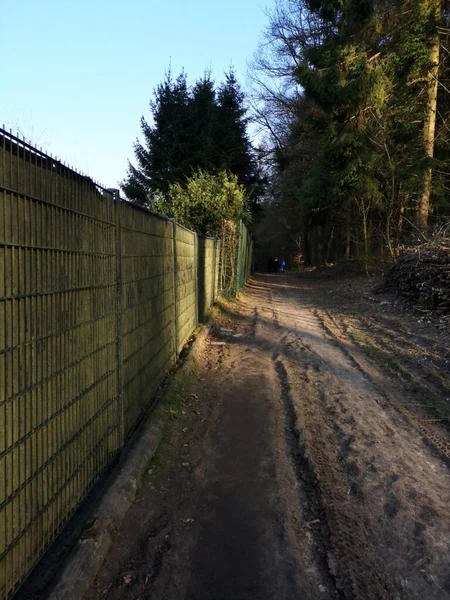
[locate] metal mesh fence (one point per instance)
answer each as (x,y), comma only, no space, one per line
(186,283)
(59,400)
(235,257)
(229,238)
(244,257)
(147,307)
(97,297)
(207,270)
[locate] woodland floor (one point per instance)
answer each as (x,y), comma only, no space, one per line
(307,458)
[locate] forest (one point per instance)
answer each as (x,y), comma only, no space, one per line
(350,102)
(355,96)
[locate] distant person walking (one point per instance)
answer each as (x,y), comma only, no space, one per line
(282,265)
(276,265)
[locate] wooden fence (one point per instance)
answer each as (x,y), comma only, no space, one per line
(97,298)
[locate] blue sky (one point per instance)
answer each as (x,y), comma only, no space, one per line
(77,76)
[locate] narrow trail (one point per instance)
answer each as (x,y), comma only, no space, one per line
(297,472)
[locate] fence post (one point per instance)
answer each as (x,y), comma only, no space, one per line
(218,277)
(196,277)
(238,261)
(213,292)
(116,197)
(175,284)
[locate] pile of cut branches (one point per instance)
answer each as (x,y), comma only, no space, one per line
(422,273)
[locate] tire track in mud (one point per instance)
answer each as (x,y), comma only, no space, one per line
(343,543)
(370,555)
(311,498)
(433,439)
(334,339)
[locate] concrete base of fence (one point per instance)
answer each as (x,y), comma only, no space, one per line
(87,557)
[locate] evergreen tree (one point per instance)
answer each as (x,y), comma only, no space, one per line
(231,144)
(167,154)
(355,151)
(203,116)
(233,149)
(192,129)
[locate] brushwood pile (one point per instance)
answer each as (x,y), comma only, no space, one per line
(422,274)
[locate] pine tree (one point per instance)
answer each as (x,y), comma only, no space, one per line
(167,155)
(358,149)
(192,129)
(233,149)
(203,116)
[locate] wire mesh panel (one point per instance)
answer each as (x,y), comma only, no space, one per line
(244,257)
(186,287)
(229,238)
(234,258)
(249,257)
(59,423)
(97,298)
(206,270)
(216,269)
(148,307)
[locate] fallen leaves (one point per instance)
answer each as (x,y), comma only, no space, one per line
(314,522)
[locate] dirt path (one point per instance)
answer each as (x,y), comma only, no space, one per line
(297,467)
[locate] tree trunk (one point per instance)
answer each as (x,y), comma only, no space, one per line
(306,246)
(391,204)
(365,225)
(430,120)
(329,245)
(348,235)
(319,246)
(401,218)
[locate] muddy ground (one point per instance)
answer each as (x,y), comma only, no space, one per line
(306,456)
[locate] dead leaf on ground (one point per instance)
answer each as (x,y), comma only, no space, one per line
(315,522)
